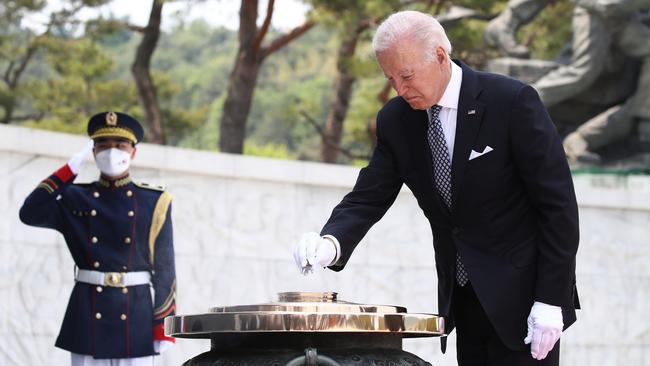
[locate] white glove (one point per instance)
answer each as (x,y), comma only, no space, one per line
(313,250)
(544,329)
(77,160)
(161,346)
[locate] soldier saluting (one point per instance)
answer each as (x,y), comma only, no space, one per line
(120,236)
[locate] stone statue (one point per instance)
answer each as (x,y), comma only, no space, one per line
(601,27)
(500,31)
(605,81)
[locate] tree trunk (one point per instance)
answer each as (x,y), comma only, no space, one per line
(241,84)
(238,103)
(243,78)
(8,105)
(142,75)
(341,95)
(12,77)
(371,128)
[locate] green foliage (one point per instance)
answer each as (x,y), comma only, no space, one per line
(74,75)
(77,87)
(12,10)
(79,58)
(269,150)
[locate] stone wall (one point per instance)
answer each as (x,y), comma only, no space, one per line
(236,219)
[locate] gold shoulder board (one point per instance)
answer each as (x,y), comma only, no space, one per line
(150,186)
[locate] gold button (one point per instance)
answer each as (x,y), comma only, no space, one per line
(96,264)
(94,239)
(129,193)
(98,316)
(99,289)
(125,290)
(123,317)
(127,240)
(93,213)
(96,194)
(131,213)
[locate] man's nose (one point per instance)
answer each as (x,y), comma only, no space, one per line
(400,88)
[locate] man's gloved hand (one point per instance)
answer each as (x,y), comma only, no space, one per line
(544,329)
(313,250)
(77,160)
(161,346)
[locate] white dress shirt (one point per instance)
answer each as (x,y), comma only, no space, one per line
(449,110)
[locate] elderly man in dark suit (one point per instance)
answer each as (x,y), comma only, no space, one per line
(486,165)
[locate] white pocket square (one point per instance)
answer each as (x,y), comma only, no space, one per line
(473,155)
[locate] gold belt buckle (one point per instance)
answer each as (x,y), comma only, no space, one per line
(114,279)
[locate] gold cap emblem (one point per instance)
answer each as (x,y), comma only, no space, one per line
(111,119)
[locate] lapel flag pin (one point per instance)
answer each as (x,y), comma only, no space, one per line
(471,111)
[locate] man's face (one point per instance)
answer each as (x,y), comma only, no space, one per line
(419,82)
(105,143)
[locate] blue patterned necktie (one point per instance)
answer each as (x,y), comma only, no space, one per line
(442,174)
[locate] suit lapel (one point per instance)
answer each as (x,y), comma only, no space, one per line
(468,123)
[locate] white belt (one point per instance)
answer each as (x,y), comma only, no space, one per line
(113,279)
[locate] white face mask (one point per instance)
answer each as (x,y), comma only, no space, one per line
(113,162)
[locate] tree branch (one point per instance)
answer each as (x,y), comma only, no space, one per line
(261,33)
(21,67)
(10,67)
(286,38)
(328,141)
(135,28)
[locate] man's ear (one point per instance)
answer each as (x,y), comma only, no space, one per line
(441,55)
(135,150)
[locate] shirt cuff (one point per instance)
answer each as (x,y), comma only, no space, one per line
(337,247)
(64,173)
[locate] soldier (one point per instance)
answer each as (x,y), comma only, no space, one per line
(120,236)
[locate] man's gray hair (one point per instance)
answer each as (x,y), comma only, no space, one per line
(421,27)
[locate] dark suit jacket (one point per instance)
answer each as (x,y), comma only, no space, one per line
(514,216)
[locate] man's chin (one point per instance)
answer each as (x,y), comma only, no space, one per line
(417,105)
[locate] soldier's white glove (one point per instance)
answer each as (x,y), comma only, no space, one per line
(77,160)
(161,346)
(544,329)
(314,250)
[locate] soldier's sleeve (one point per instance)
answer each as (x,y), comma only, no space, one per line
(161,255)
(41,207)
